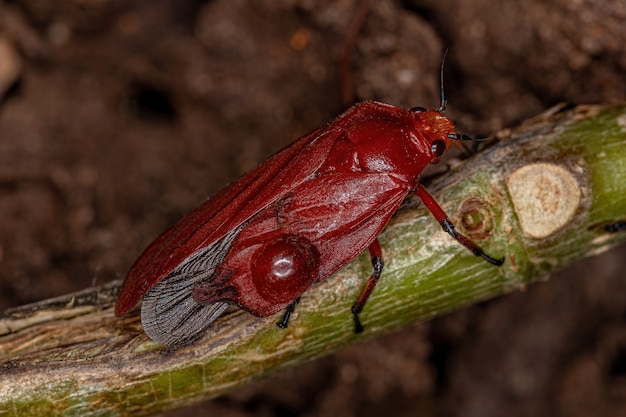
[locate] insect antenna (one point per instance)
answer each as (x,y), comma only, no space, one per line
(442,103)
(459,136)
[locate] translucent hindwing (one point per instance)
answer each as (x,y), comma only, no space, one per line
(169,314)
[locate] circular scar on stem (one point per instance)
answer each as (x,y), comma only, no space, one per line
(545,197)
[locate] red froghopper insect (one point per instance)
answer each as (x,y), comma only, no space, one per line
(302,215)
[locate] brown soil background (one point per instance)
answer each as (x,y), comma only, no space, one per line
(117,117)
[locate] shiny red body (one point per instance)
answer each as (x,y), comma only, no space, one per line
(300,216)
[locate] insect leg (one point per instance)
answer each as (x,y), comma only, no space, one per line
(288,311)
(377,262)
(441,216)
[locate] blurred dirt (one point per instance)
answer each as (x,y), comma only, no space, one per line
(117,117)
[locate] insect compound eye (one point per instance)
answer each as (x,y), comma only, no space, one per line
(418,109)
(438,147)
(284,268)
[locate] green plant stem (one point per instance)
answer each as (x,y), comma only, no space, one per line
(540,197)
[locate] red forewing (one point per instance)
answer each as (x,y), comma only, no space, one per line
(224,212)
(349,212)
(341,213)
